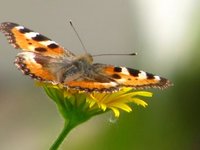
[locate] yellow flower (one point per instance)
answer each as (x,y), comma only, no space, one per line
(101,102)
(77,107)
(117,100)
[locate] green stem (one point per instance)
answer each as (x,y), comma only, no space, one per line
(67,128)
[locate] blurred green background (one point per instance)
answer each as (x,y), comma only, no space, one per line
(166,35)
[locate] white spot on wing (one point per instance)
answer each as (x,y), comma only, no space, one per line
(125,71)
(157,77)
(46,43)
(19,27)
(31,35)
(113,84)
(142,75)
(28,56)
(121,81)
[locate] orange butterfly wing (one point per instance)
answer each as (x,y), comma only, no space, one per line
(109,78)
(35,65)
(35,46)
(138,79)
(28,40)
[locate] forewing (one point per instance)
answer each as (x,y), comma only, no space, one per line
(28,40)
(107,78)
(138,79)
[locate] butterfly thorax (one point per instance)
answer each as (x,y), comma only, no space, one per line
(86,58)
(77,69)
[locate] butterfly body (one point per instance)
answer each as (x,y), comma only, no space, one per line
(45,60)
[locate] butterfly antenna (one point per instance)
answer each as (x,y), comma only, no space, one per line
(78,36)
(128,54)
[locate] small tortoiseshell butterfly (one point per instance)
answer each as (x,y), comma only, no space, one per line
(45,60)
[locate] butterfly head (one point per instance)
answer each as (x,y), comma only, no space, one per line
(86,58)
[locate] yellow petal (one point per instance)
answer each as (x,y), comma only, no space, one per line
(122,106)
(116,112)
(139,102)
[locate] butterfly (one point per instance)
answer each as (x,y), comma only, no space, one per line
(46,61)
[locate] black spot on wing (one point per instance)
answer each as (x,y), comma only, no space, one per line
(116,76)
(40,49)
(117,69)
(150,76)
(52,46)
(40,37)
(133,72)
(25,30)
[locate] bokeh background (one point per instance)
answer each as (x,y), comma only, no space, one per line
(166,35)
